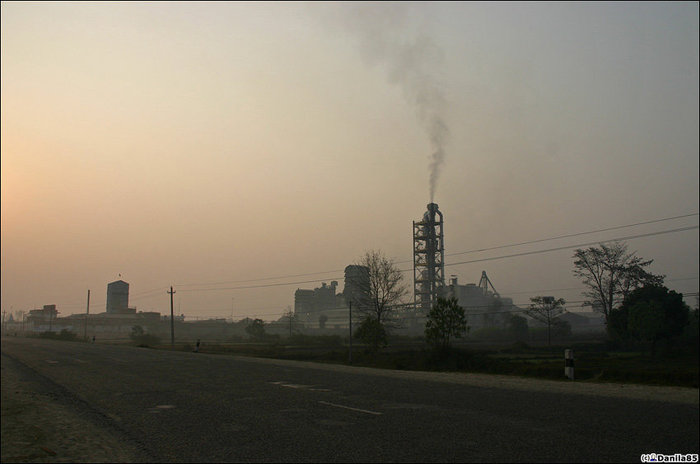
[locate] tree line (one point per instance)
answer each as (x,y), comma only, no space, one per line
(634,303)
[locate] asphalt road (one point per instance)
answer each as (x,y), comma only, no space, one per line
(196,407)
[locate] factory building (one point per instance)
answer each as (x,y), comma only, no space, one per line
(356,290)
(483,306)
(45,315)
(118,298)
(309,303)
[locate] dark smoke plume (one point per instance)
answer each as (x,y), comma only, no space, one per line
(411,60)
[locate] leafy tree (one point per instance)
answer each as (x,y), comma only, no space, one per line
(373,333)
(652,313)
(322,319)
(136,331)
(546,309)
(691,333)
(256,329)
(446,320)
(610,273)
(517,328)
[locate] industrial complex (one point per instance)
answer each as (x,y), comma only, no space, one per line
(482,303)
(323,307)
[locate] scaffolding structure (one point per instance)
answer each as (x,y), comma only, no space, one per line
(428,258)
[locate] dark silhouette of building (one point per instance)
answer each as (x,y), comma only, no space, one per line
(356,288)
(483,305)
(118,298)
(48,313)
(309,302)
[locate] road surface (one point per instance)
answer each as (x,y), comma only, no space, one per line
(148,405)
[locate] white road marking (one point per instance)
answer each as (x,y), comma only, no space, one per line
(352,409)
(50,361)
(291,385)
(158,408)
(79,360)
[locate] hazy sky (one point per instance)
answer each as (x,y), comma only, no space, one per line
(210,146)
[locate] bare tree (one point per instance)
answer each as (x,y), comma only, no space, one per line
(546,309)
(610,273)
(379,289)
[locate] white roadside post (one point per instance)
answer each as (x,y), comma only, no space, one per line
(569,364)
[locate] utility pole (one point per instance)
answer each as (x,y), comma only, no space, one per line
(87,314)
(350,320)
(172,318)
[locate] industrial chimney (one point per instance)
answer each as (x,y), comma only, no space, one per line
(428,258)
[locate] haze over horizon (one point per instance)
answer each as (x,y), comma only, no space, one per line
(239,151)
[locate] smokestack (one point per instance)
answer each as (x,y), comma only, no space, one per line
(428,258)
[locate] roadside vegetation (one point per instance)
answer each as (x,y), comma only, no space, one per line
(651,334)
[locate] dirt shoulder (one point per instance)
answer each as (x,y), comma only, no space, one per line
(41,423)
(682,395)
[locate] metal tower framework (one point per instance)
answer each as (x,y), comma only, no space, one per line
(485,283)
(428,258)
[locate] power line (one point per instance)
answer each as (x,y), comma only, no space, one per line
(572,235)
(280,284)
(568,247)
(450,254)
(261,279)
(152,293)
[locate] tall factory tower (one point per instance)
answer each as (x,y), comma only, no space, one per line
(428,258)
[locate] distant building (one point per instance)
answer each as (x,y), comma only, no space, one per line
(304,301)
(311,302)
(356,288)
(48,313)
(118,298)
(484,307)
(44,319)
(310,305)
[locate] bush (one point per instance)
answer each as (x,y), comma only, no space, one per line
(256,329)
(490,333)
(143,339)
(147,340)
(64,335)
(67,335)
(373,333)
